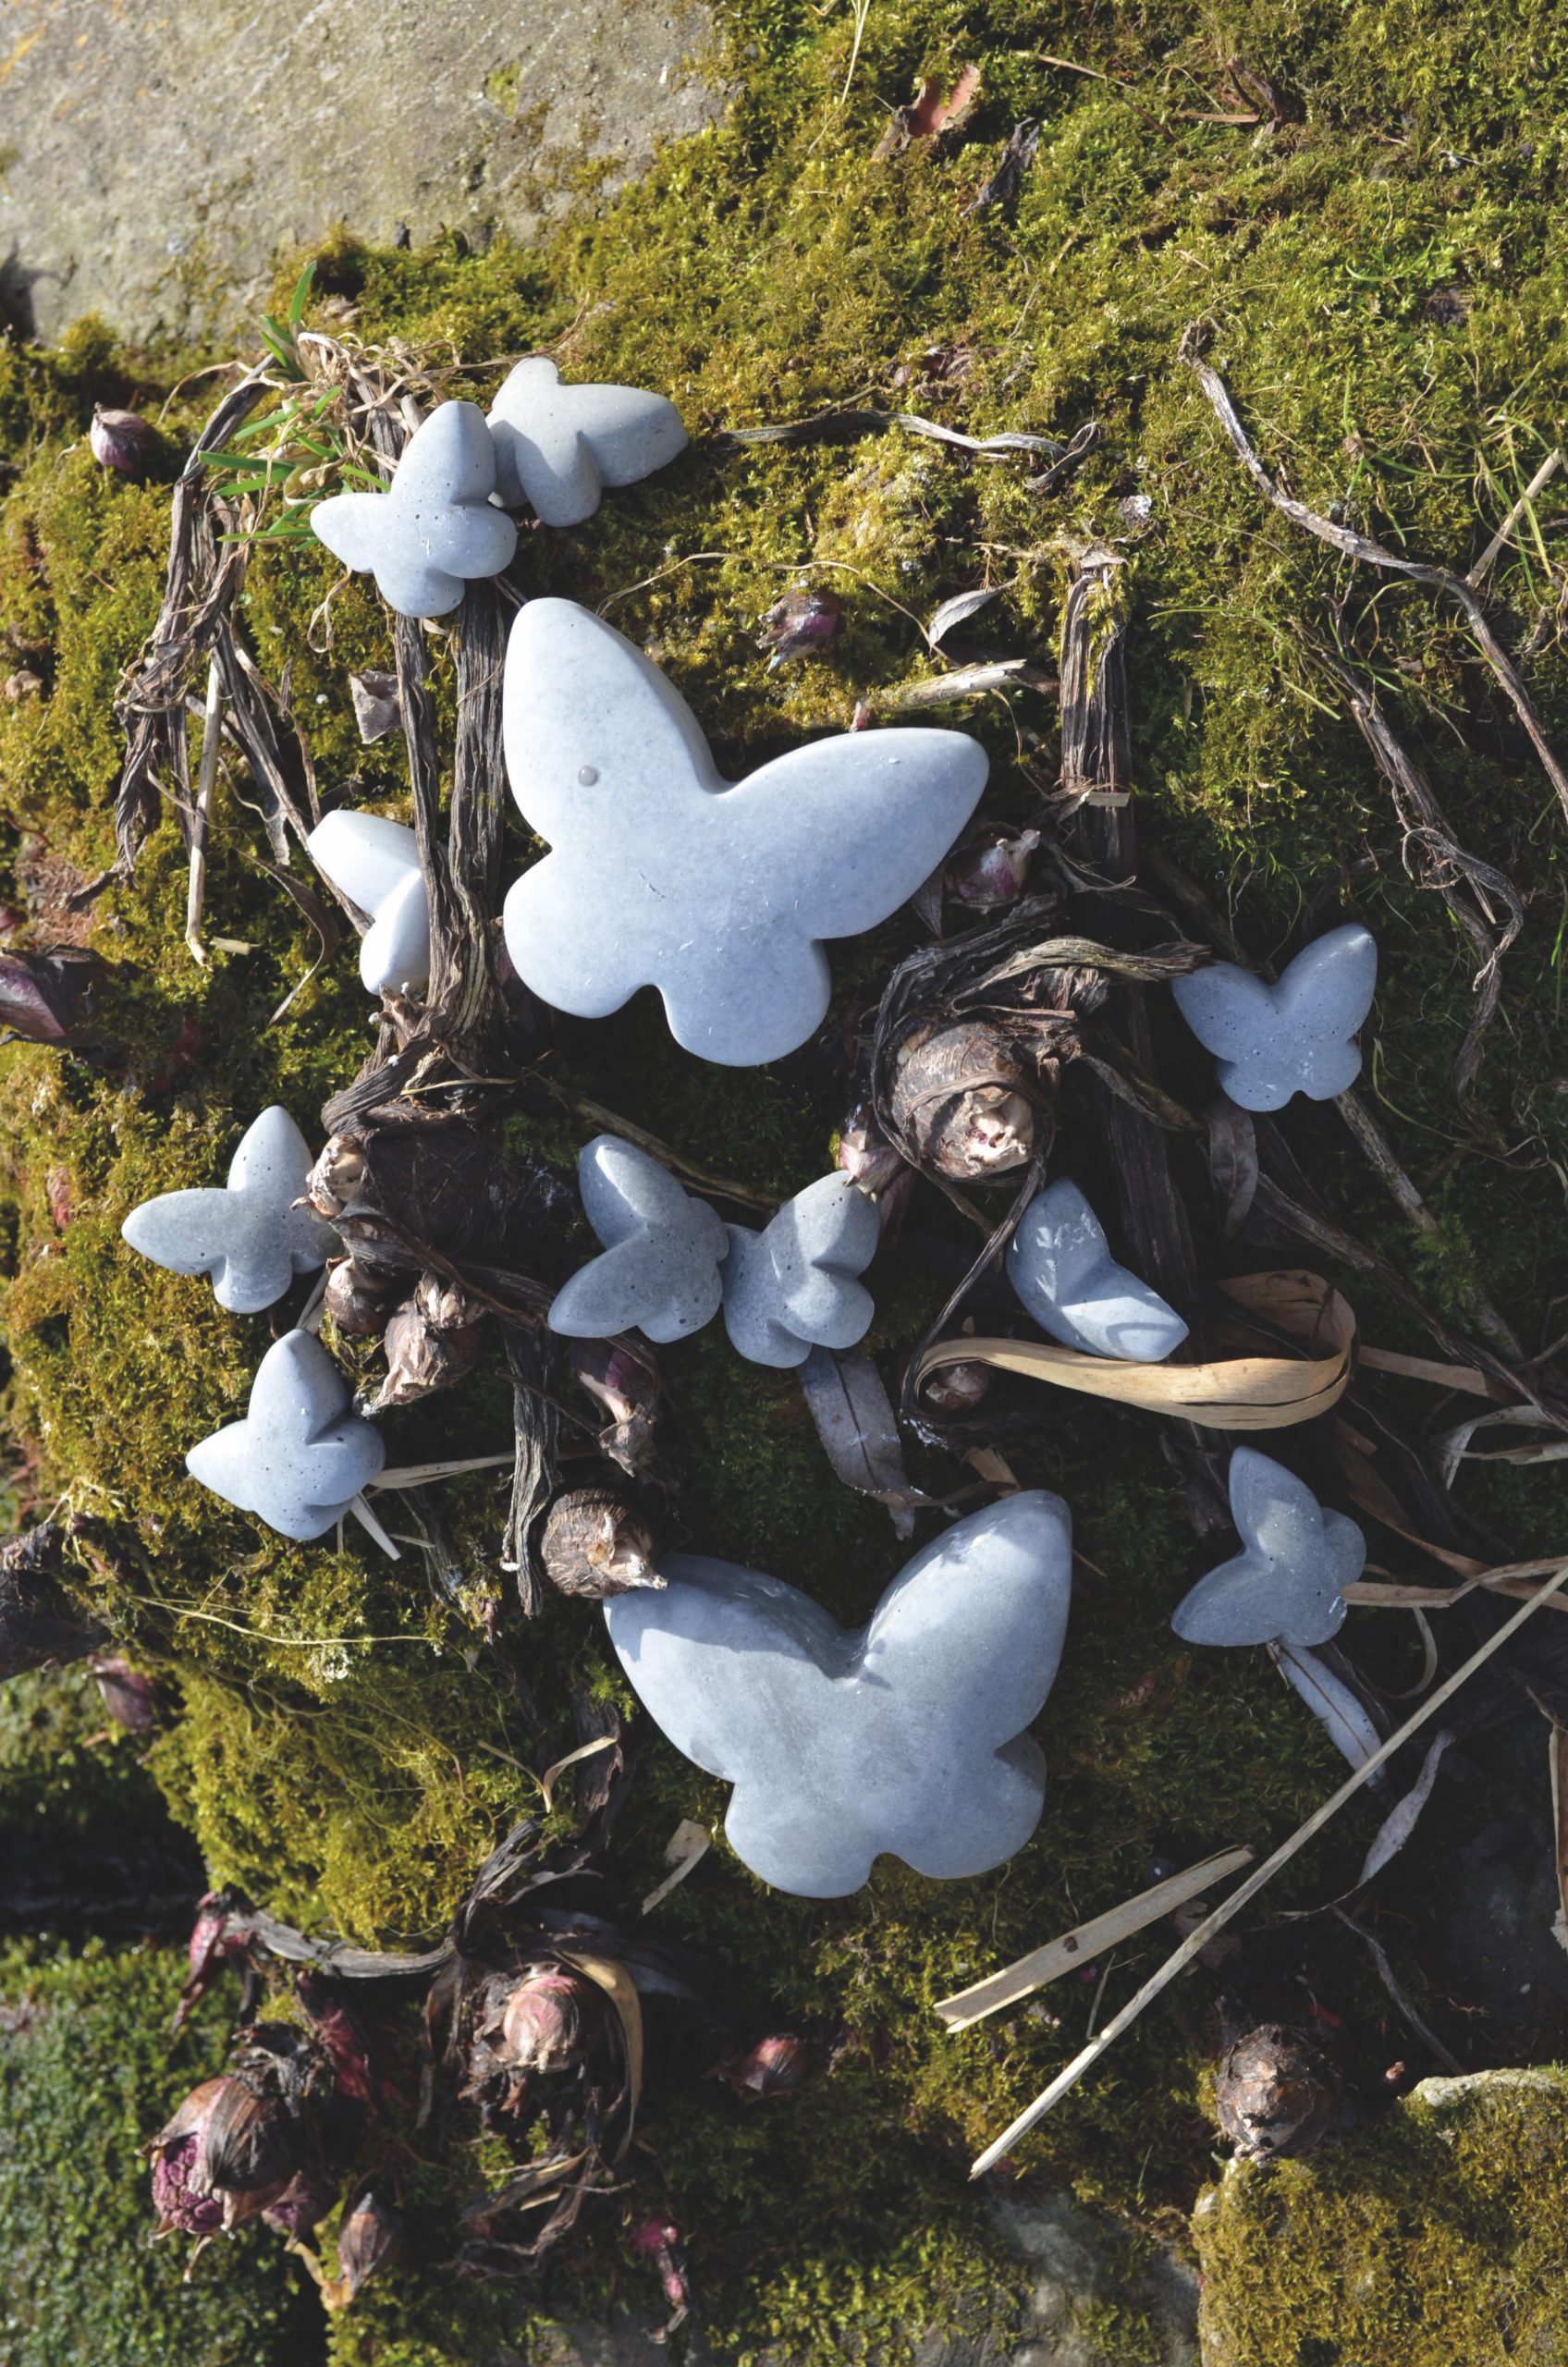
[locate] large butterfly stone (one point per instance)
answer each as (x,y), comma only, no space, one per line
(663,874)
(906,1735)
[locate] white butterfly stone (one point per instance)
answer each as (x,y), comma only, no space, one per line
(1287,1585)
(249,1235)
(558,447)
(1059,1263)
(300,1456)
(905,1735)
(664,875)
(437,529)
(375,862)
(792,1287)
(1297,1036)
(663,1250)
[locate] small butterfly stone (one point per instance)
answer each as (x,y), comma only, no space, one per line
(1287,1584)
(249,1235)
(906,1735)
(1297,1036)
(1062,1267)
(663,1251)
(375,863)
(792,1287)
(300,1456)
(558,447)
(437,529)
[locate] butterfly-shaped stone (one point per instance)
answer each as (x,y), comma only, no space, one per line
(300,1456)
(557,447)
(437,529)
(375,863)
(249,1235)
(663,1250)
(1062,1267)
(1297,1036)
(664,875)
(792,1287)
(1287,1584)
(906,1735)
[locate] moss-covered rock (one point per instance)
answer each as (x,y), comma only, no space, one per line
(1437,2234)
(1386,288)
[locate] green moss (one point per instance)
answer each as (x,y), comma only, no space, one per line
(346,1748)
(87,2073)
(1436,2234)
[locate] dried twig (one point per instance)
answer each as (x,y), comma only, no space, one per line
(212,740)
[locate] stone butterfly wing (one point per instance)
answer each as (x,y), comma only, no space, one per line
(663,875)
(905,1737)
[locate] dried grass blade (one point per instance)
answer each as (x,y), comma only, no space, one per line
(328,935)
(551,1776)
(1403,1818)
(1557,1763)
(618,1987)
(1237,1393)
(1086,1941)
(1441,1376)
(1196,1941)
(686,1847)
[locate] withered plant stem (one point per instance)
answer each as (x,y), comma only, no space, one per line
(1196,1941)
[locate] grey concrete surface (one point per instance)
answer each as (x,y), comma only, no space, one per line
(155,159)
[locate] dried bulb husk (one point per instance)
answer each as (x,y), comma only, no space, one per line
(427,1349)
(992,872)
(182,2208)
(368,2242)
(866,1154)
(362,1299)
(337,1179)
(303,2203)
(658,2239)
(119,440)
(776,2065)
(799,625)
(128,1695)
(544,2022)
(595,1545)
(276,2111)
(627,1386)
(1279,2094)
(965,1100)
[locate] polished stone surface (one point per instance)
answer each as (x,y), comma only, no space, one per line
(437,529)
(300,1456)
(663,1250)
(1059,1263)
(377,863)
(1287,1585)
(558,447)
(1297,1036)
(792,1287)
(905,1735)
(249,1235)
(662,873)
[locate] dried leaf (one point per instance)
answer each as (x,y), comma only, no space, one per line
(551,1776)
(1240,1394)
(954,612)
(378,708)
(1329,1699)
(620,1988)
(1086,1941)
(1232,1161)
(1400,1820)
(686,1847)
(854,1421)
(1022,145)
